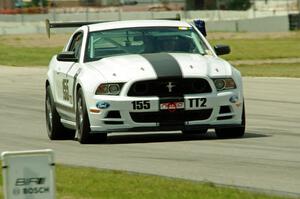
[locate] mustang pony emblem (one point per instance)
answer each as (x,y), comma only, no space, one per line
(170,86)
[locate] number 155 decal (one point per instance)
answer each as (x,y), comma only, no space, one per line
(140,105)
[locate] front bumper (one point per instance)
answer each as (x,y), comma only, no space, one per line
(191,112)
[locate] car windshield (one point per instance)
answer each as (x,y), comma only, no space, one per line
(108,43)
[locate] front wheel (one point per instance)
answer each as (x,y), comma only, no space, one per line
(233,132)
(84,135)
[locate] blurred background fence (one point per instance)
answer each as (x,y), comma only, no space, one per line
(28,16)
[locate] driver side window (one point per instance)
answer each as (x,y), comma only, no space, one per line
(76,44)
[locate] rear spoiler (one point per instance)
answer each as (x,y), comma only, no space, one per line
(50,25)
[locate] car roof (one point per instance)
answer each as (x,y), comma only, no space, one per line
(137,23)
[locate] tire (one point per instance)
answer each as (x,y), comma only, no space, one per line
(55,129)
(191,132)
(237,132)
(84,135)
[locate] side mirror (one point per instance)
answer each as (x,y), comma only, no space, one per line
(222,49)
(67,56)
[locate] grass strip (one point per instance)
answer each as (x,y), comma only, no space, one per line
(12,54)
(89,183)
(242,49)
(270,70)
(26,56)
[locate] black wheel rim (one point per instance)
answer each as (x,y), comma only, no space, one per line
(80,117)
(49,115)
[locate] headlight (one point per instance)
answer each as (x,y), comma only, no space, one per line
(224,84)
(109,89)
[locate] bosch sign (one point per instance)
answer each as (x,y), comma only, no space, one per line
(28,174)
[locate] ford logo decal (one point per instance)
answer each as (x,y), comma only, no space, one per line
(102,105)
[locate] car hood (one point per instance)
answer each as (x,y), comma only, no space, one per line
(130,67)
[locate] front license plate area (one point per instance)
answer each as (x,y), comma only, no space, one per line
(171,112)
(171,106)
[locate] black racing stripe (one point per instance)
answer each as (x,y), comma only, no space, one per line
(167,70)
(164,65)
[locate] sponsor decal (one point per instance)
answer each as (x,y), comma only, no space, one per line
(65,85)
(36,190)
(172,106)
(102,105)
(183,28)
(29,181)
(37,186)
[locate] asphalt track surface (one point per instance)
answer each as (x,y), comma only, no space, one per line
(267,158)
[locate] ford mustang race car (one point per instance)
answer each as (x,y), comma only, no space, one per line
(141,75)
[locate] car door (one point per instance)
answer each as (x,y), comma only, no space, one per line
(64,83)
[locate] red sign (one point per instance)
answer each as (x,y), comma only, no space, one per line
(172,106)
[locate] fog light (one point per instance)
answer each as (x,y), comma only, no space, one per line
(234,99)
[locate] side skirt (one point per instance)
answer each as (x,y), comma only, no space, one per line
(68,124)
(66,113)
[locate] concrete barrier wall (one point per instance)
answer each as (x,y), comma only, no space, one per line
(21,28)
(207,15)
(216,15)
(221,26)
(265,24)
(21,24)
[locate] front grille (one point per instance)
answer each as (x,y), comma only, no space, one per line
(171,117)
(169,87)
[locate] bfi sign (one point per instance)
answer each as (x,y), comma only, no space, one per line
(28,174)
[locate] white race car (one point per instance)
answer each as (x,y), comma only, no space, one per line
(141,75)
